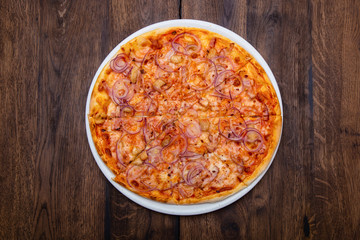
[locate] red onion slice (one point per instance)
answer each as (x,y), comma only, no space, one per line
(190,155)
(256,139)
(119,91)
(127,71)
(177,47)
(149,133)
(132,127)
(219,95)
(126,110)
(146,55)
(213,174)
(237,126)
(189,48)
(199,85)
(229,134)
(224,61)
(134,178)
(228,84)
(190,173)
(221,76)
(119,63)
(185,192)
(152,108)
(174,149)
(163,67)
(118,154)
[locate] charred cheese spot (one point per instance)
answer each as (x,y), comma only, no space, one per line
(108,152)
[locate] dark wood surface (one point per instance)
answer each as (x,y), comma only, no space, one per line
(50,185)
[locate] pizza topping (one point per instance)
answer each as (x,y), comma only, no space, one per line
(156,44)
(190,155)
(192,129)
(204,124)
(134,76)
(237,125)
(186,43)
(118,154)
(177,146)
(132,127)
(154,154)
(213,143)
(121,91)
(198,82)
(228,84)
(253,140)
(127,111)
(204,74)
(185,190)
(212,43)
(224,62)
(176,59)
(139,178)
(149,133)
(204,102)
(194,173)
(163,67)
(226,131)
(119,63)
(160,85)
(213,174)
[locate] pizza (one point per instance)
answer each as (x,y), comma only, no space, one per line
(184,115)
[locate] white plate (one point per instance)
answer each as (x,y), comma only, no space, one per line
(193,209)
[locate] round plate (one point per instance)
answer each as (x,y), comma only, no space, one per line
(173,209)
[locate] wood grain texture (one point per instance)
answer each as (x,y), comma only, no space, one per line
(50,186)
(336,64)
(48,180)
(18,125)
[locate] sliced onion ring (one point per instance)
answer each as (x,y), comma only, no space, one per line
(165,68)
(246,139)
(222,59)
(118,154)
(190,171)
(119,63)
(213,175)
(125,109)
(139,126)
(134,176)
(119,91)
(176,46)
(233,136)
(191,155)
(178,151)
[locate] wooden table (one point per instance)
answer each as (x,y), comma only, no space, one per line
(50,185)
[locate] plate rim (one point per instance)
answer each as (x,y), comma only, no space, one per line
(189,209)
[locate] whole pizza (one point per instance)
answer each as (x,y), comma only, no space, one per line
(184,115)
